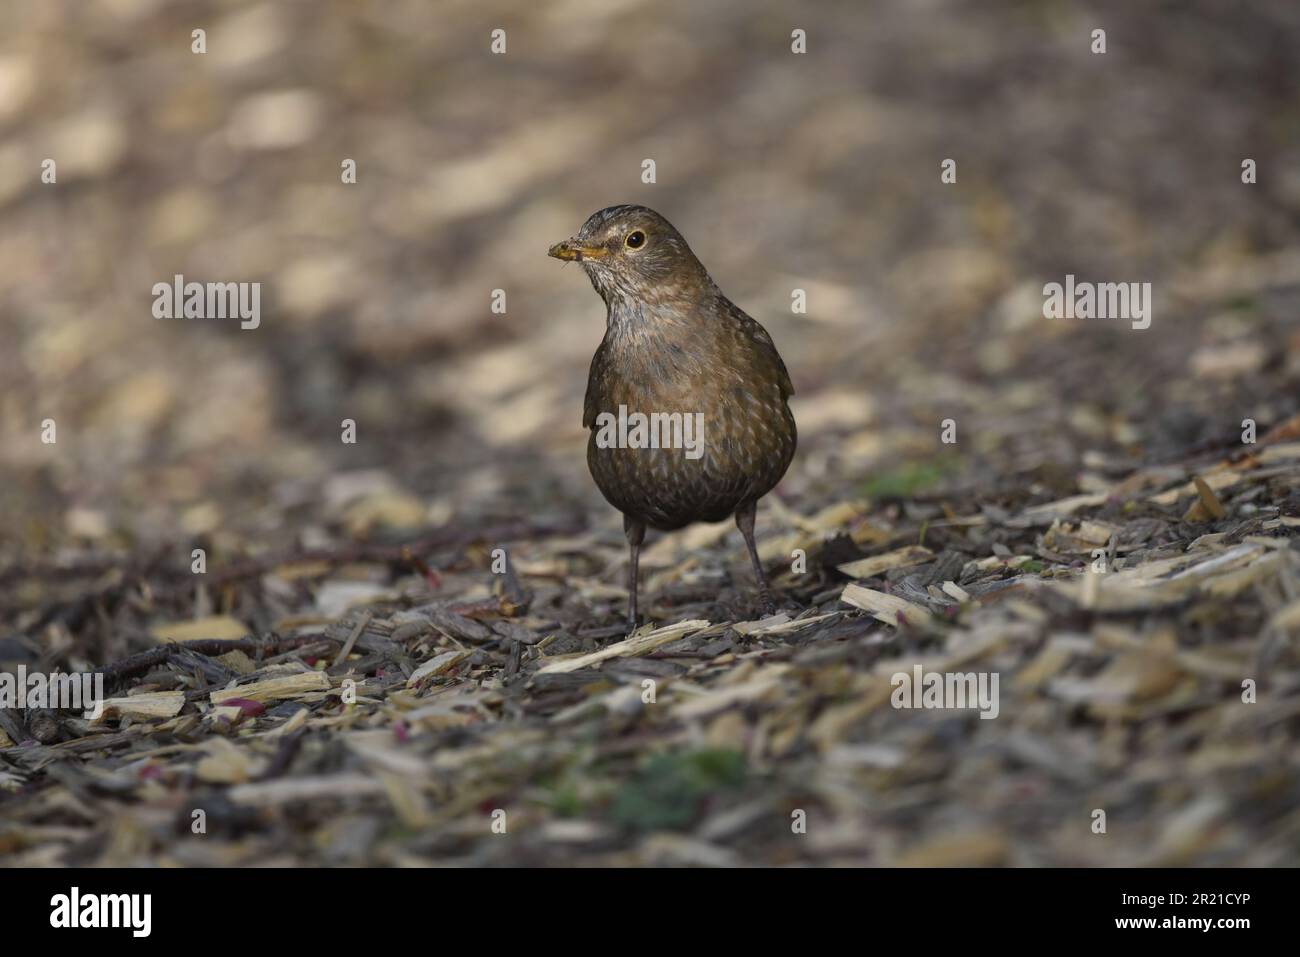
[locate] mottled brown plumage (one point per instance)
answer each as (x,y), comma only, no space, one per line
(675,344)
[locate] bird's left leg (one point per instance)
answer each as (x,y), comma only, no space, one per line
(745,522)
(635,532)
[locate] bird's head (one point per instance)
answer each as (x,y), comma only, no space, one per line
(633,253)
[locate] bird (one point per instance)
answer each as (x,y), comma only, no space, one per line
(687,398)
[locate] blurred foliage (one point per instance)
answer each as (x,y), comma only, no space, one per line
(910,478)
(669,792)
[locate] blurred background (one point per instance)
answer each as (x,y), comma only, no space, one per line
(818,171)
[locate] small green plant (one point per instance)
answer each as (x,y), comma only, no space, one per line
(669,792)
(908,478)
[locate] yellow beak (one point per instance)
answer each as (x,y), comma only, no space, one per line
(573,251)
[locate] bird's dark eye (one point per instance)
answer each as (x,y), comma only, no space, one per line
(635,239)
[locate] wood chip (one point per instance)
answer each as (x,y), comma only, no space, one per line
(218,626)
(886,608)
(332,787)
(275,689)
(437,666)
(953,590)
(151,705)
(878,564)
(1207,506)
(628,647)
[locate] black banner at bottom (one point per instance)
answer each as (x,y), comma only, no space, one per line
(271,907)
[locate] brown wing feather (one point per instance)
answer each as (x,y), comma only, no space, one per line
(766,347)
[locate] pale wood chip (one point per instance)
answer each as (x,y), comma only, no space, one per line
(877,564)
(1207,506)
(217,626)
(1067,506)
(275,689)
(786,627)
(628,647)
(953,590)
(330,787)
(153,704)
(760,626)
(224,763)
(767,680)
(436,666)
(1286,618)
(1238,580)
(1215,480)
(886,608)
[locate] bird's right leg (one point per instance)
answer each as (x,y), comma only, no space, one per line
(745,522)
(635,532)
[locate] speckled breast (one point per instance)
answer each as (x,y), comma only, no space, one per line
(716,458)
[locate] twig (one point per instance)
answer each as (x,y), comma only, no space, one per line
(139,663)
(346,650)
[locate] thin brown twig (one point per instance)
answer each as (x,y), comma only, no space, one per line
(139,663)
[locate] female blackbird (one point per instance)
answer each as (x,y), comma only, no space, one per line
(686,398)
